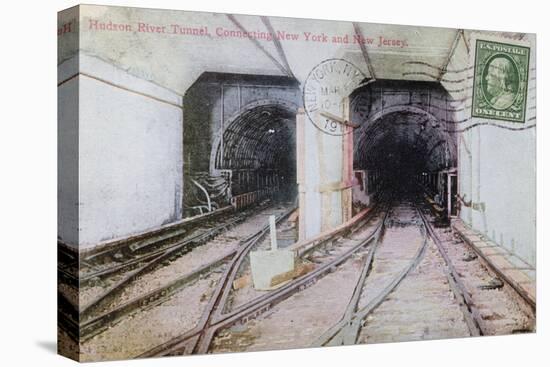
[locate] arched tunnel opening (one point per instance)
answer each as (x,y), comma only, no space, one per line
(406,139)
(239,141)
(257,153)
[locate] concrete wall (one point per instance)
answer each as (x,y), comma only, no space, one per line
(67,127)
(67,163)
(496,173)
(499,178)
(130,154)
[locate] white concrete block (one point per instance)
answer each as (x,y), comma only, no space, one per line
(266,264)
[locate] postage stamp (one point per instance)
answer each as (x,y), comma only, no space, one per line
(501,73)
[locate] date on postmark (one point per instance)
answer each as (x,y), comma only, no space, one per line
(501,73)
(325,88)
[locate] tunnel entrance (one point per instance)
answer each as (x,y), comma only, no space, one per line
(257,154)
(405,134)
(238,140)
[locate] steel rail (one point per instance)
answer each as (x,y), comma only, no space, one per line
(85,326)
(108,249)
(96,324)
(199,338)
(346,331)
(220,291)
(166,253)
(467,306)
(179,237)
(354,301)
(218,301)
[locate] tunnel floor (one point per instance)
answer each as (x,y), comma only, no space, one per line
(395,276)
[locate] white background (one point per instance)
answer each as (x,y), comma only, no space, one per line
(28,182)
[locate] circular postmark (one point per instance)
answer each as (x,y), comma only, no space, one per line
(325,88)
(500,81)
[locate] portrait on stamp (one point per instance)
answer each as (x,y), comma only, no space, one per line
(501,73)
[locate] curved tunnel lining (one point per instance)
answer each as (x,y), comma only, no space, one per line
(258,149)
(405,137)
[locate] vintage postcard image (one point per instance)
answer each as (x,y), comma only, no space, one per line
(234,183)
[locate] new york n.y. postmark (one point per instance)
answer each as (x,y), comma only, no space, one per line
(325,89)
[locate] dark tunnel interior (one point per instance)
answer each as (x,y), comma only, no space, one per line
(406,135)
(259,149)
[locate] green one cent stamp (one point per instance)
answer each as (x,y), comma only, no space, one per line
(501,73)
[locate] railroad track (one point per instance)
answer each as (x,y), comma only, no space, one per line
(94,325)
(148,261)
(348,329)
(360,317)
(126,255)
(67,260)
(92,318)
(214,319)
(145,249)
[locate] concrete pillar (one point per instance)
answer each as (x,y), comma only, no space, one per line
(325,174)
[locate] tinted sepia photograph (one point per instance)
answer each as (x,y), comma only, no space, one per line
(236,183)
